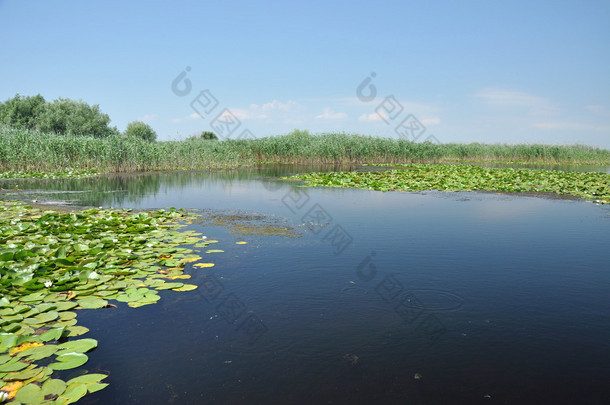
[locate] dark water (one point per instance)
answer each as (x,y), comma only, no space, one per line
(423,298)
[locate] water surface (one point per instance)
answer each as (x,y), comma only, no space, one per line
(425,298)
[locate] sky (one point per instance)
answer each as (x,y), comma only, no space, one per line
(442,71)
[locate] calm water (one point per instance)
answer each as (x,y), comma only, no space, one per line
(423,298)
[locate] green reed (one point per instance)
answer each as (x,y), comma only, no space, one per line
(32,151)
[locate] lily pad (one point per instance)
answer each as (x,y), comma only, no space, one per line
(92,302)
(203,265)
(39,352)
(80,345)
(87,379)
(23,375)
(51,334)
(169,286)
(69,360)
(186,287)
(30,394)
(76,331)
(72,394)
(94,387)
(53,386)
(14,365)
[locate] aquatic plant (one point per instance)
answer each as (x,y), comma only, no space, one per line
(30,151)
(447,177)
(54,264)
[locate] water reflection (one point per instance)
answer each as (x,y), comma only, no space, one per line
(157,190)
(507,296)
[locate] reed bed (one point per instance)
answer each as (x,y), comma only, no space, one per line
(32,151)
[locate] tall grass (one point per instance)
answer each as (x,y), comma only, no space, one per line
(31,151)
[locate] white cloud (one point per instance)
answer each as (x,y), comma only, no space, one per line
(431,121)
(373,117)
(274,111)
(571,126)
(244,114)
(598,109)
(193,116)
(329,114)
(511,98)
(148,118)
(276,105)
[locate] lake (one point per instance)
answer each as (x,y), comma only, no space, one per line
(345,296)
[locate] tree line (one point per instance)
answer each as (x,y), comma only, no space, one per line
(69,117)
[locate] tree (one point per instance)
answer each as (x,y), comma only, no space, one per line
(139,129)
(22,112)
(209,136)
(66,116)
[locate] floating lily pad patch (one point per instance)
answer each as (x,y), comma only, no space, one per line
(592,186)
(53,265)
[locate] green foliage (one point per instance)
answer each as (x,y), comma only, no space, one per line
(66,116)
(22,111)
(141,130)
(54,264)
(209,136)
(205,135)
(448,177)
(23,151)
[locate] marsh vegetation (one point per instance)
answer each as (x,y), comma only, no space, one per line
(29,151)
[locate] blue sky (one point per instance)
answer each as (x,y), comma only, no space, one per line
(484,71)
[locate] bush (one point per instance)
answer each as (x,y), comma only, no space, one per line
(66,116)
(210,136)
(22,112)
(139,129)
(205,135)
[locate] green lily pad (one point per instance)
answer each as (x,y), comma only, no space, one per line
(44,307)
(23,375)
(14,365)
(87,379)
(94,387)
(169,286)
(30,394)
(13,327)
(76,331)
(92,302)
(69,360)
(51,334)
(39,319)
(34,297)
(66,305)
(53,386)
(80,345)
(39,352)
(67,315)
(72,394)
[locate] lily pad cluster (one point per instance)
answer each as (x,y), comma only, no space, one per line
(64,174)
(446,177)
(53,264)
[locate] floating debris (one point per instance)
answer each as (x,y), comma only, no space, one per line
(352,358)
